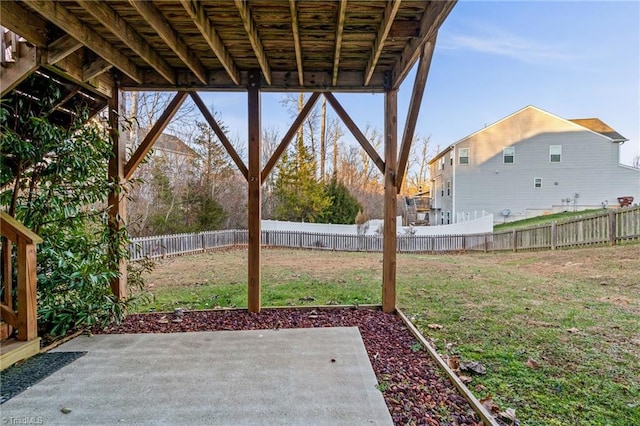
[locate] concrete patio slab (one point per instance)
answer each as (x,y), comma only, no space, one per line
(318,376)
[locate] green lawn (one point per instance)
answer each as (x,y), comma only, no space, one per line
(544,219)
(574,313)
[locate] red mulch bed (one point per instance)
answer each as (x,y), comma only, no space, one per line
(415,390)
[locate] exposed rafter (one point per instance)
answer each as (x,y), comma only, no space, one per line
(202,21)
(61,48)
(218,131)
(159,23)
(355,131)
(58,15)
(93,69)
(414,108)
(296,40)
(435,15)
(21,21)
(390,12)
(129,36)
(154,134)
(286,140)
(342,13)
(254,38)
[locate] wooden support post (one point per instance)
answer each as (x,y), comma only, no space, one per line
(554,235)
(514,235)
(28,309)
(390,199)
(117,199)
(255,183)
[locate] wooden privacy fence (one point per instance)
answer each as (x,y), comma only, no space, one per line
(608,227)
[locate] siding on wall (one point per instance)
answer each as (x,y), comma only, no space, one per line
(589,167)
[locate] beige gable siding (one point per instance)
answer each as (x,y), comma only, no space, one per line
(588,167)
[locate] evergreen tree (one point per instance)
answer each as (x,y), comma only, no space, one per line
(344,206)
(300,197)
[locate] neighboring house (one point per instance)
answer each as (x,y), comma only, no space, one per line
(528,164)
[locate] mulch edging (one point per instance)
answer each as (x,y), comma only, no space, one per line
(416,391)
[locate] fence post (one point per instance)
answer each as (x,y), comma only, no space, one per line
(554,235)
(163,247)
(204,242)
(486,243)
(612,228)
(515,240)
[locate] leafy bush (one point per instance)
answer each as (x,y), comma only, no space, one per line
(54,180)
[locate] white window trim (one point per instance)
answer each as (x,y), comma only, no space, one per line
(560,153)
(535,181)
(460,156)
(513,154)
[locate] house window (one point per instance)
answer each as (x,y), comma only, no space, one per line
(463,155)
(448,187)
(537,183)
(451,158)
(509,155)
(448,218)
(555,153)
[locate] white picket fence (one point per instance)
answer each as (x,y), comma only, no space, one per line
(608,227)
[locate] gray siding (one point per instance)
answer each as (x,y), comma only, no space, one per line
(589,167)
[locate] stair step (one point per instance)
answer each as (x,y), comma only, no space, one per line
(12,351)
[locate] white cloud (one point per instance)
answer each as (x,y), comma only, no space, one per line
(499,42)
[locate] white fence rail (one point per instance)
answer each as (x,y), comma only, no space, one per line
(605,228)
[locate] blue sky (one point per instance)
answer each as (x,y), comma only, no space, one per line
(575,59)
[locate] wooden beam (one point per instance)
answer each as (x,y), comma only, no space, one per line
(58,15)
(93,69)
(154,134)
(342,13)
(74,91)
(254,38)
(117,199)
(414,108)
(355,131)
(296,40)
(198,15)
(390,12)
(390,202)
(24,66)
(61,48)
(129,36)
(161,25)
(218,131)
(432,19)
(23,22)
(28,307)
(289,135)
(255,195)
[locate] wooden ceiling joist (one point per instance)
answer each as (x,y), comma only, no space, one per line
(254,38)
(61,17)
(342,13)
(390,12)
(159,23)
(129,36)
(286,140)
(221,135)
(91,70)
(23,22)
(154,134)
(435,15)
(11,76)
(296,40)
(355,131)
(197,13)
(414,108)
(61,48)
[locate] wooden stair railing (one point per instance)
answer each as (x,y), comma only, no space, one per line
(24,316)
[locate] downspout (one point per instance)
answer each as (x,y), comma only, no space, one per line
(453,185)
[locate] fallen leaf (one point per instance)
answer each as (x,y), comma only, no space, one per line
(532,363)
(163,320)
(488,403)
(454,363)
(572,330)
(510,415)
(307,299)
(473,366)
(65,410)
(434,326)
(465,379)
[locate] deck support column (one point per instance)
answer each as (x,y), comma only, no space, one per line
(254,196)
(390,201)
(116,199)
